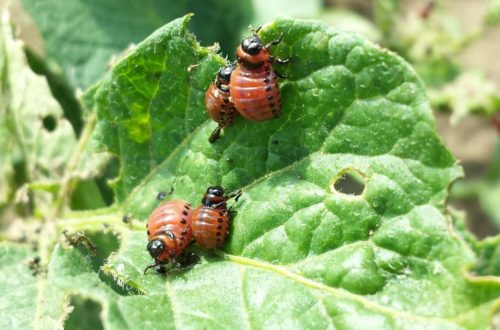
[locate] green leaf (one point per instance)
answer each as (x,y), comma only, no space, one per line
(29,299)
(82,36)
(6,162)
(59,87)
(489,257)
(38,139)
(40,300)
(300,252)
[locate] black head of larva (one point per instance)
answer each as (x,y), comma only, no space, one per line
(224,74)
(215,191)
(251,45)
(156,248)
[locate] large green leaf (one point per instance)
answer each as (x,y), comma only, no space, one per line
(83,35)
(301,253)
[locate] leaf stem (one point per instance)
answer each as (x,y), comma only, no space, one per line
(67,181)
(98,221)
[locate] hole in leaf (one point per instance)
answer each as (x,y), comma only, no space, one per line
(106,243)
(111,171)
(349,182)
(87,196)
(85,315)
(49,123)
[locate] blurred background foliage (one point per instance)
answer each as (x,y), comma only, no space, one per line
(453,45)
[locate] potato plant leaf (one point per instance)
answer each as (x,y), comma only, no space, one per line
(36,138)
(303,252)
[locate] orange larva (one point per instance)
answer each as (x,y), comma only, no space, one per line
(169,232)
(253,85)
(218,102)
(210,220)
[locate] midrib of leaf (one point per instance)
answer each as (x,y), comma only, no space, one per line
(329,290)
(42,281)
(244,308)
(303,281)
(175,313)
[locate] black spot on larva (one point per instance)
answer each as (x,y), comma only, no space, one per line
(218,233)
(182,238)
(185,212)
(219,227)
(187,206)
(220,220)
(181,245)
(269,97)
(184,233)
(266,80)
(273,111)
(268,88)
(223,107)
(226,100)
(148,232)
(184,221)
(221,213)
(272,105)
